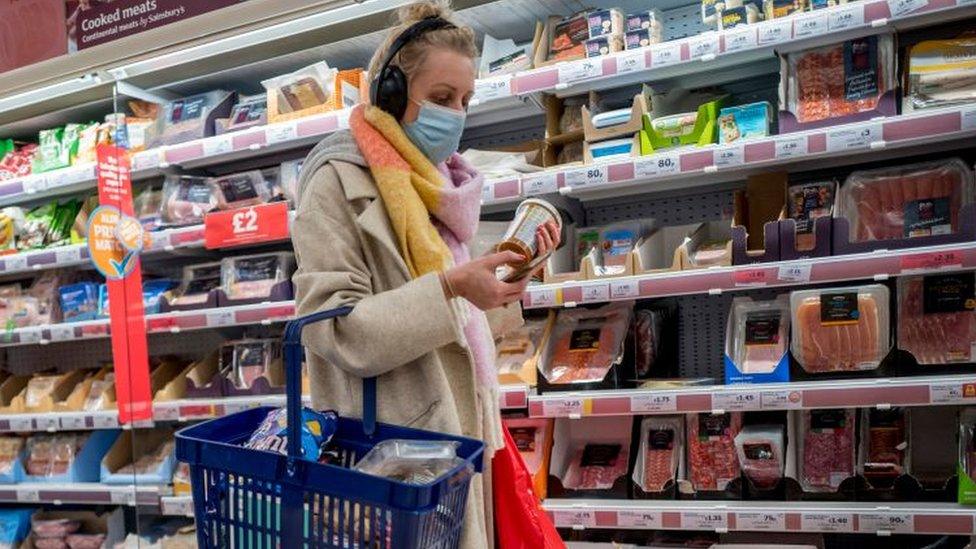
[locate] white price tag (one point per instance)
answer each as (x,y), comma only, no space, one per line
(951,393)
(145,160)
(220,318)
(590,175)
(969,117)
(21,424)
(845,17)
(624,288)
(58,178)
(695,520)
(166,413)
(725,157)
(563,407)
(280,133)
(29,335)
(631,61)
(827,522)
(73,423)
(789,147)
(965,2)
(35,184)
(737,401)
(543,298)
(71,254)
(846,139)
(743,37)
(123,497)
(657,165)
(179,507)
(795,273)
(107,420)
(46,422)
(495,87)
(811,24)
(545,183)
(781,400)
(704,45)
(61,332)
(662,55)
(488,192)
(639,519)
(897,523)
(775,31)
(80,174)
(584,69)
(653,403)
(15,262)
(235,407)
(28,495)
(761,522)
(595,292)
(902,7)
(222,144)
(575,518)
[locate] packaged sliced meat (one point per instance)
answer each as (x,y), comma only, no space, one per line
(757,334)
(910,201)
(246,360)
(884,445)
(585,343)
(186,200)
(826,449)
(616,244)
(248,112)
(648,327)
(596,466)
(840,329)
(79,301)
(805,203)
(148,206)
(712,458)
(520,347)
(240,190)
(760,449)
(838,80)
(52,455)
(937,317)
(254,276)
(197,283)
(305,88)
(10,450)
(54,528)
(661,445)
(85,541)
(99,393)
(189,118)
(530,437)
(411,461)
(941,73)
(287,181)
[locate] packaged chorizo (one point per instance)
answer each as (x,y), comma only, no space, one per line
(884,445)
(585,343)
(758,334)
(937,317)
(240,190)
(596,466)
(661,446)
(186,200)
(254,276)
(761,450)
(826,449)
(712,459)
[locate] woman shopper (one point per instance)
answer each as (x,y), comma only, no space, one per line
(384,215)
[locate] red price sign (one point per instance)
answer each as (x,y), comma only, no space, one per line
(931,261)
(749,277)
(253,225)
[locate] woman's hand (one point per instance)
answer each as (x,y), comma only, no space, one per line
(547,238)
(477,282)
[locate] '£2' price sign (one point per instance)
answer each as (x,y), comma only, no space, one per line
(244,226)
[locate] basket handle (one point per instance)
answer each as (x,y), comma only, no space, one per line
(294,353)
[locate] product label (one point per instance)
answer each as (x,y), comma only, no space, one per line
(927,217)
(827,420)
(950,293)
(728,156)
(657,165)
(861,68)
(733,17)
(660,439)
(762,328)
(762,451)
(600,22)
(809,202)
(838,308)
(600,455)
(827,522)
(742,38)
(646,404)
(586,339)
(665,54)
(713,426)
(771,522)
(775,31)
(187,109)
(237,187)
(540,184)
(196,191)
(795,273)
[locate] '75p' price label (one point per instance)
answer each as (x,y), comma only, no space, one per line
(761,522)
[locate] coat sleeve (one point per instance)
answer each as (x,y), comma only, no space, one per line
(384,330)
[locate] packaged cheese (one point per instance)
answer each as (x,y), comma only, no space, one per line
(585,343)
(520,348)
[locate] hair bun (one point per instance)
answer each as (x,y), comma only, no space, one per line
(418,11)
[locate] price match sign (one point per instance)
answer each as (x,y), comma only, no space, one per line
(264,223)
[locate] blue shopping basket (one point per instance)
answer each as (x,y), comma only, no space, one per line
(261,499)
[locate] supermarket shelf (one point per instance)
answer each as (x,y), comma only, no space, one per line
(878,265)
(780,516)
(849,393)
(699,166)
(82,493)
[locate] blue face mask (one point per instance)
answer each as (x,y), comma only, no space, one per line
(436,131)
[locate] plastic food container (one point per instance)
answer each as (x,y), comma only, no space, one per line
(760,449)
(826,451)
(411,461)
(240,190)
(884,445)
(254,276)
(941,73)
(186,200)
(937,317)
(585,343)
(530,215)
(840,329)
(712,459)
(661,445)
(198,281)
(758,333)
(807,202)
(597,466)
(249,359)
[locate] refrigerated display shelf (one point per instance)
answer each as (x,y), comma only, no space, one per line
(780,516)
(82,493)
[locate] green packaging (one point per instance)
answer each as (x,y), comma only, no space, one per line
(967,457)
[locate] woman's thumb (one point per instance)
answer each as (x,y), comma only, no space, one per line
(503,258)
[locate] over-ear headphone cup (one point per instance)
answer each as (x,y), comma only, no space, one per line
(391,93)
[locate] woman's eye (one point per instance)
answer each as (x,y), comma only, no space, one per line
(442,101)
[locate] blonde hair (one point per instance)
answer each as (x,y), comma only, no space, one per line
(412,56)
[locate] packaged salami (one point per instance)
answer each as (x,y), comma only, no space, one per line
(937,317)
(585,343)
(712,459)
(240,190)
(596,466)
(884,452)
(661,447)
(186,200)
(52,455)
(532,438)
(761,450)
(840,329)
(826,449)
(756,340)
(648,329)
(254,276)
(246,360)
(198,281)
(921,199)
(805,203)
(54,528)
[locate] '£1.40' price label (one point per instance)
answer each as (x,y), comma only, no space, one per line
(827,522)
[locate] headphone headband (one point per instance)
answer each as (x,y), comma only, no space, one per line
(380,88)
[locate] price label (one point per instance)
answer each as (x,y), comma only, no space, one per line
(487,192)
(280,133)
(662,55)
(15,262)
(46,423)
(653,403)
(657,165)
(35,184)
(543,298)
(775,31)
(761,522)
(846,139)
(812,24)
(59,178)
(222,144)
(639,519)
(897,523)
(583,69)
(969,116)
(737,401)
(781,400)
(495,87)
(620,289)
(631,61)
(564,407)
(220,318)
(74,423)
(932,261)
(80,174)
(123,497)
(741,38)
(726,157)
(60,332)
(749,278)
(704,521)
(27,495)
(704,45)
(235,407)
(545,183)
(902,7)
(827,522)
(67,255)
(29,335)
(19,424)
(845,17)
(107,420)
(952,393)
(575,518)
(789,147)
(166,413)
(795,273)
(595,292)
(253,225)
(146,160)
(590,175)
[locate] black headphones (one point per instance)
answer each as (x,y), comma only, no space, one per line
(388,90)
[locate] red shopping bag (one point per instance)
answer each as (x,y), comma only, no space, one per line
(520,522)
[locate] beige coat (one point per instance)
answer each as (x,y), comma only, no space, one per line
(403,331)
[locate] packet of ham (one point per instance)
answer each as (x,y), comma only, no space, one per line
(661,445)
(240,190)
(757,334)
(826,449)
(937,317)
(186,200)
(585,343)
(254,276)
(712,459)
